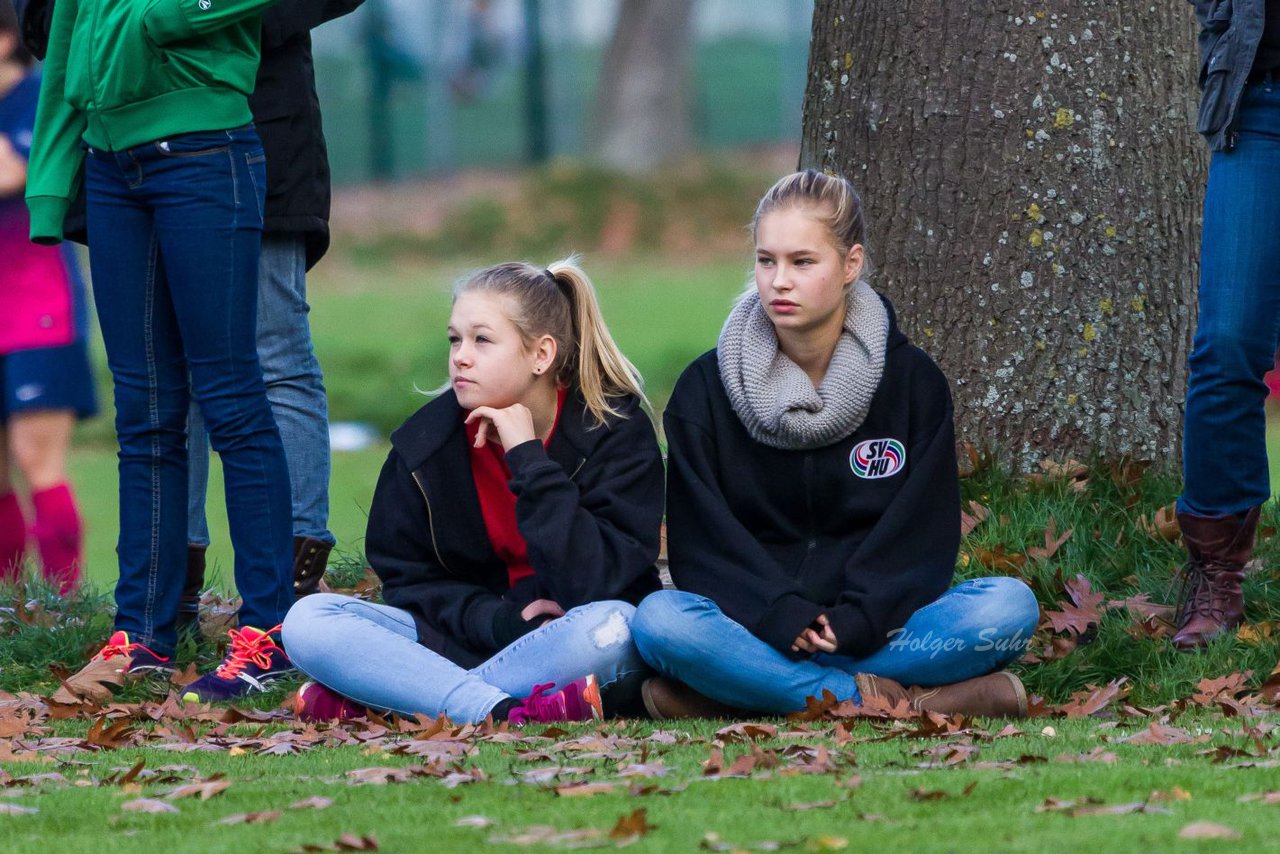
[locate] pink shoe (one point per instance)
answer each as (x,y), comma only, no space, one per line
(577,701)
(315,702)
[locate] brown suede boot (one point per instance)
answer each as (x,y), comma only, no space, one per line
(667,699)
(996,695)
(192,585)
(310,558)
(1212,600)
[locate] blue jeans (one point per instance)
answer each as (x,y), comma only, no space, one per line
(371,654)
(174,230)
(295,388)
(974,628)
(1224,450)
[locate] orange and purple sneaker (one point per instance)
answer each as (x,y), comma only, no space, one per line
(118,662)
(577,701)
(254,661)
(316,702)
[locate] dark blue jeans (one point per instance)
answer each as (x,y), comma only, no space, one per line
(1224,457)
(174,234)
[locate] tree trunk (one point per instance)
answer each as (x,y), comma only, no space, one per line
(642,105)
(1033,183)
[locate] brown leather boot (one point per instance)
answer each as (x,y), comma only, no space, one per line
(310,558)
(1212,600)
(996,695)
(667,699)
(192,585)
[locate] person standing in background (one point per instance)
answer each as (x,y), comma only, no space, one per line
(45,380)
(286,112)
(1225,473)
(295,236)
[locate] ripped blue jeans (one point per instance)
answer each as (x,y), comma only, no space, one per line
(371,654)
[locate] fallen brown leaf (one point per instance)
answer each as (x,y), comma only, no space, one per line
(251,817)
(150,805)
(631,827)
(1207,830)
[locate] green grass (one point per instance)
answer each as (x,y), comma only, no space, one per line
(872,787)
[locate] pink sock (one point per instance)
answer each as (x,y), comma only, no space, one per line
(13,537)
(59,536)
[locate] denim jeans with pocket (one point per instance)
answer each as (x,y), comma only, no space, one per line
(974,628)
(295,388)
(1224,441)
(174,230)
(370,653)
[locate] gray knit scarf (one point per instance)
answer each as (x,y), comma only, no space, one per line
(775,399)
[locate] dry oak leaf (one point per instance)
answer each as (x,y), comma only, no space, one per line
(150,805)
(1052,541)
(346,842)
(251,817)
(205,790)
(1084,609)
(746,732)
(631,827)
(315,802)
(1209,691)
(973,515)
(1094,699)
(16,809)
(93,684)
(1207,830)
(1163,525)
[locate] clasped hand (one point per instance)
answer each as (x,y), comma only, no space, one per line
(817,638)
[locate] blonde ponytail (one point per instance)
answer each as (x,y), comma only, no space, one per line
(598,366)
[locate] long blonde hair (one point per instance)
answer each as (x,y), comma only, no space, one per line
(560,301)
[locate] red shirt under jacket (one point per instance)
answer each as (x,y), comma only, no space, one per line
(497,501)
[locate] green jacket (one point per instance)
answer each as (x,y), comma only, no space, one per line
(124,72)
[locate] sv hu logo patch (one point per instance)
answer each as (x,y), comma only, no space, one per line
(877,458)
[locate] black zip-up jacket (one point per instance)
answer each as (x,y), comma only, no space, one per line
(1230,32)
(589,506)
(286,113)
(777,537)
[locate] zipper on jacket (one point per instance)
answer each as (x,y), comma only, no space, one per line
(431,525)
(582,462)
(808,501)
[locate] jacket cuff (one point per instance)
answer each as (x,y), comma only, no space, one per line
(508,625)
(165,22)
(785,619)
(47,213)
(853,633)
(526,454)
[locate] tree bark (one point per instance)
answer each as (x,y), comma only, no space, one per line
(642,105)
(1033,182)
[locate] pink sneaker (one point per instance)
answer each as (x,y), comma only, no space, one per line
(315,702)
(577,701)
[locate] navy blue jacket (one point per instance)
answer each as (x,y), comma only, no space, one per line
(589,507)
(1230,31)
(864,530)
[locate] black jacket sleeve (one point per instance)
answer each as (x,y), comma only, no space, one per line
(711,552)
(289,18)
(909,557)
(593,535)
(399,547)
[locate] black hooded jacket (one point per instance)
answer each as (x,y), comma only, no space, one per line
(589,507)
(777,537)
